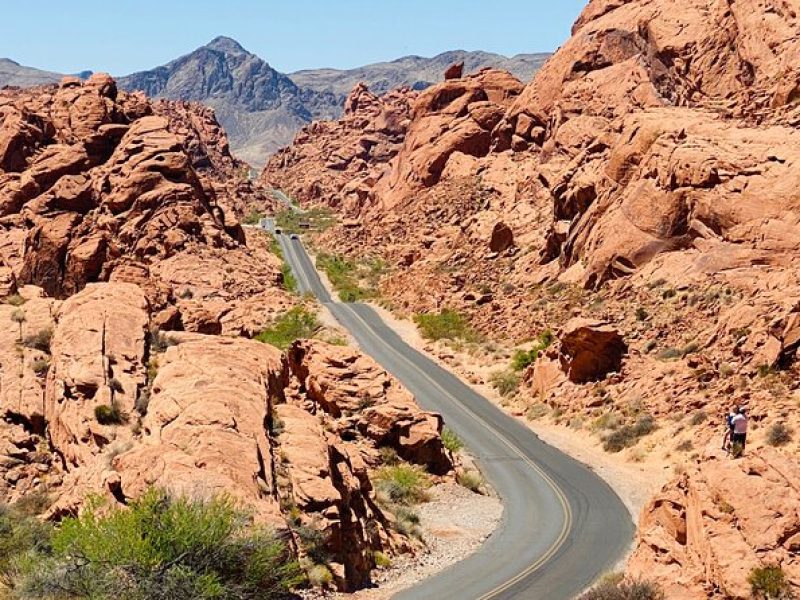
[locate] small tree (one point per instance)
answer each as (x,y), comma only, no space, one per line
(18,316)
(769,583)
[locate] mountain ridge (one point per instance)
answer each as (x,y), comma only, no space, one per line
(261,108)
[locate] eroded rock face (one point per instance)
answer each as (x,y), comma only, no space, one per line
(590,350)
(704,533)
(92,177)
(364,400)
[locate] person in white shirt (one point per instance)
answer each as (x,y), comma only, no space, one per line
(739,435)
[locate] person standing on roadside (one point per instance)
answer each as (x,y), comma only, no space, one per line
(739,435)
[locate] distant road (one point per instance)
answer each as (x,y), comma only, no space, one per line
(562,525)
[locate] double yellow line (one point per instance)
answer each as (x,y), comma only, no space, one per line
(562,537)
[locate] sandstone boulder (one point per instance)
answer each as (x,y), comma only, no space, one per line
(590,350)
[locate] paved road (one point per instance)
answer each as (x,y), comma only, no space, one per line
(562,525)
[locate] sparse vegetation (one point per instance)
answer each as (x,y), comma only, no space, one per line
(685,446)
(505,382)
(109,414)
(39,340)
(451,440)
(628,435)
(524,358)
(253,217)
(15,300)
(160,547)
(40,366)
(318,218)
(769,583)
(698,418)
(355,281)
(320,576)
(445,325)
(616,587)
(159,341)
(382,561)
(472,480)
(293,325)
(641,313)
(779,435)
(18,316)
(403,483)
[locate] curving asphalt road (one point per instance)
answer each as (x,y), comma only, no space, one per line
(562,524)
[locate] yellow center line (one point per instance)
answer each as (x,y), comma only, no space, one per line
(559,541)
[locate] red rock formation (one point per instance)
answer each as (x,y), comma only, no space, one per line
(704,533)
(648,177)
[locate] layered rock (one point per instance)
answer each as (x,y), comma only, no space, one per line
(703,534)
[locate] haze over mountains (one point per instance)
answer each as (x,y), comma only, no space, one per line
(261,108)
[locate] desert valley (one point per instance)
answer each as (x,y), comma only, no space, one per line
(460,327)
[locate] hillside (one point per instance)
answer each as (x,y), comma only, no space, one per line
(15,74)
(615,249)
(415,72)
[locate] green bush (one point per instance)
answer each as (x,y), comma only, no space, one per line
(288,280)
(344,276)
(293,325)
(505,382)
(524,358)
(40,340)
(779,435)
(109,414)
(160,548)
(617,588)
(627,435)
(320,576)
(382,560)
(445,325)
(451,440)
(403,483)
(769,583)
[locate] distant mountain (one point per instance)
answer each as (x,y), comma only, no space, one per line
(261,108)
(415,71)
(15,74)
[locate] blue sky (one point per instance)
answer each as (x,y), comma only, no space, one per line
(122,36)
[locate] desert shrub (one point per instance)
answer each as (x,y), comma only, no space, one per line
(522,359)
(472,480)
(403,483)
(314,542)
(295,324)
(641,313)
(15,300)
(40,366)
(22,537)
(698,418)
(382,561)
(669,354)
(445,325)
(161,548)
(320,576)
(40,340)
(627,435)
(33,503)
(109,414)
(779,435)
(769,583)
(116,385)
(617,588)
(406,520)
(451,440)
(186,294)
(388,456)
(159,341)
(343,275)
(505,382)
(288,280)
(609,420)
